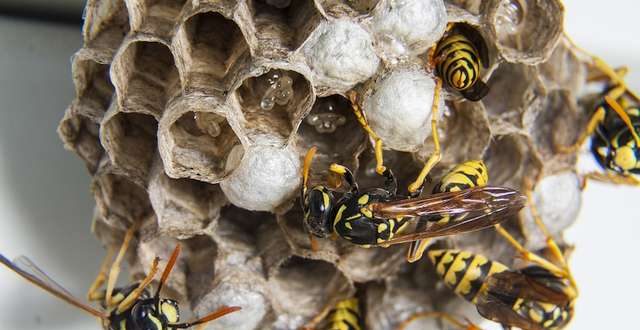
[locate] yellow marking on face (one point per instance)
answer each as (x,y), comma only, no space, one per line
(625,158)
(382,227)
(366,212)
(155,321)
(170,312)
(364,199)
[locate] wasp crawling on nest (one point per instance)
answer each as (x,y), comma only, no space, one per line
(127,308)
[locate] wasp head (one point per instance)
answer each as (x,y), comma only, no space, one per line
(317,204)
(150,315)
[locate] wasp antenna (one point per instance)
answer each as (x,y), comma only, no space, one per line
(216,314)
(168,268)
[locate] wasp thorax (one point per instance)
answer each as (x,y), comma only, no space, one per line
(317,206)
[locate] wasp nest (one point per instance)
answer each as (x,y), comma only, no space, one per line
(192,116)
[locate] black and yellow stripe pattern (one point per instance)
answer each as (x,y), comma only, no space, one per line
(465,272)
(548,316)
(459,57)
(345,316)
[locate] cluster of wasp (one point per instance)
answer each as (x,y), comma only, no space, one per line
(539,295)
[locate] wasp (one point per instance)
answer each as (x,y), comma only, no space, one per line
(539,296)
(613,128)
(346,314)
(458,57)
(378,216)
(127,308)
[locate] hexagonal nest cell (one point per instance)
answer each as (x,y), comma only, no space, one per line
(190,115)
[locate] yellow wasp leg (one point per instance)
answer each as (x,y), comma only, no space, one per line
(595,120)
(623,115)
(614,75)
(530,256)
(308,158)
(93,293)
(609,177)
(443,316)
(436,156)
(135,294)
(115,267)
(353,97)
(551,243)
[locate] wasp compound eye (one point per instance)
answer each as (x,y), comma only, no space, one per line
(317,209)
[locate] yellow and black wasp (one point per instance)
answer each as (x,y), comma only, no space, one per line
(346,314)
(378,217)
(458,57)
(129,308)
(613,128)
(539,296)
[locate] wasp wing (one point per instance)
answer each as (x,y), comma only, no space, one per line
(532,283)
(469,210)
(26,268)
(493,308)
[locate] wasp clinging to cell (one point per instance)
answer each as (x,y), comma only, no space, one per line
(458,58)
(128,308)
(613,127)
(539,296)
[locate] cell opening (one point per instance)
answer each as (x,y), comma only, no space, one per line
(107,23)
(147,78)
(240,226)
(515,78)
(287,25)
(337,9)
(94,90)
(214,47)
(81,135)
(334,129)
(304,286)
(272,103)
(201,270)
(119,201)
(159,16)
(505,159)
(130,141)
(202,142)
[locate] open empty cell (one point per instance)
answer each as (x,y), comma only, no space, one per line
(81,135)
(130,141)
(272,103)
(302,286)
(201,145)
(238,229)
(119,201)
(505,160)
(107,23)
(337,8)
(211,47)
(468,117)
(286,25)
(146,77)
(94,90)
(157,16)
(523,89)
(333,128)
(200,262)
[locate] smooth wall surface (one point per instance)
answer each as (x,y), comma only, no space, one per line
(45,205)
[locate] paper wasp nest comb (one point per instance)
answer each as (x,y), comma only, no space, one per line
(192,116)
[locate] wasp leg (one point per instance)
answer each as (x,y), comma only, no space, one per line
(308,159)
(313,323)
(115,267)
(436,156)
(353,97)
(551,243)
(131,298)
(596,119)
(94,292)
(346,174)
(611,101)
(610,177)
(439,315)
(615,75)
(530,256)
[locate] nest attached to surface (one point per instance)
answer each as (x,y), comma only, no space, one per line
(167,116)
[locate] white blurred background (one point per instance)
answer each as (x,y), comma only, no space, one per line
(46,207)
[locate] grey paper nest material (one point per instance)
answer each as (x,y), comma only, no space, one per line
(193,116)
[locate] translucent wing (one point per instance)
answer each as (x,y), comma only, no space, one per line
(32,273)
(469,210)
(492,308)
(533,283)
